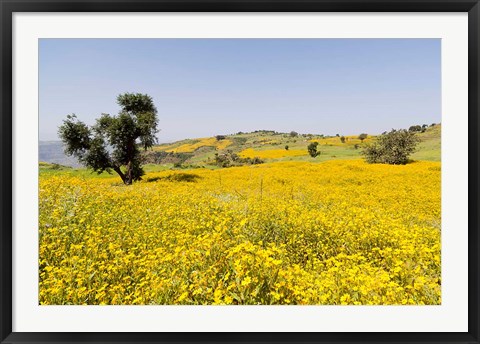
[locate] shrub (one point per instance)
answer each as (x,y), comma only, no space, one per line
(161,157)
(286,147)
(362,136)
(255,161)
(228,159)
(392,148)
(312,149)
(342,138)
(239,140)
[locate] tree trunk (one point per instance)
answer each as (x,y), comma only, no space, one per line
(129,176)
(121,174)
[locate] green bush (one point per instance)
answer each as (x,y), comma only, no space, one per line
(229,158)
(392,148)
(362,136)
(312,149)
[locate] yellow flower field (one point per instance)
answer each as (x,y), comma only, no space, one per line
(272,153)
(338,232)
(205,142)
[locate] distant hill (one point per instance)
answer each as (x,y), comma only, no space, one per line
(52,152)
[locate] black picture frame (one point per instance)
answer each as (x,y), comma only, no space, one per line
(8,7)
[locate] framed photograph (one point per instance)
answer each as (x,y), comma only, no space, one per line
(235,171)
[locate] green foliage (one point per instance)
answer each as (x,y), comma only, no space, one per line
(362,136)
(342,138)
(286,147)
(161,157)
(239,140)
(415,128)
(312,149)
(229,159)
(293,134)
(113,142)
(392,148)
(253,161)
(76,136)
(220,137)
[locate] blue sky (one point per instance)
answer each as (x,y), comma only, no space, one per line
(205,87)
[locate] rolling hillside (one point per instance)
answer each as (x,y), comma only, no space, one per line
(268,146)
(271,146)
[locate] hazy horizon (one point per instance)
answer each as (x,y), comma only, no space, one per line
(206,87)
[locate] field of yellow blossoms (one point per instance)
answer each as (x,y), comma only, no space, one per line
(205,142)
(272,153)
(337,232)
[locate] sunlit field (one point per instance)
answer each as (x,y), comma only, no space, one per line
(272,153)
(205,142)
(335,232)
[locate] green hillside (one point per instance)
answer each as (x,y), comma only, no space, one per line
(268,146)
(429,147)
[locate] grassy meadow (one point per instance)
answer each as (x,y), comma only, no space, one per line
(330,230)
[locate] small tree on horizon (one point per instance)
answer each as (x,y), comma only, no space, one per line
(113,142)
(414,128)
(362,137)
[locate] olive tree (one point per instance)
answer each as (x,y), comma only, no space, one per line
(114,142)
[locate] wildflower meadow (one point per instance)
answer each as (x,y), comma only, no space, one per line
(333,233)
